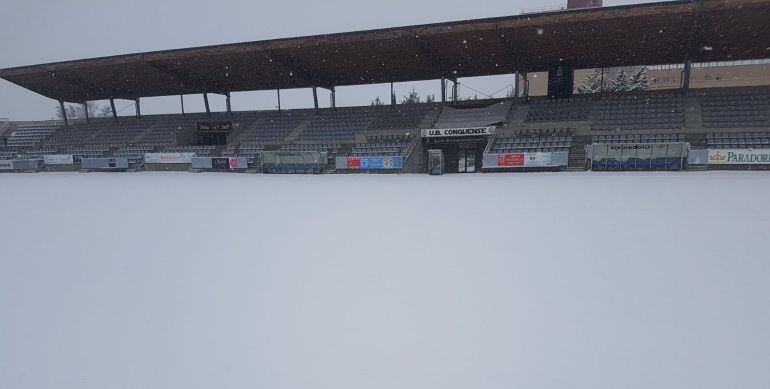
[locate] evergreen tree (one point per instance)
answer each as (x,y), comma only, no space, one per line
(639,79)
(620,83)
(377,102)
(592,83)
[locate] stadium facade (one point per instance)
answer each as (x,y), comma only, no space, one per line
(687,126)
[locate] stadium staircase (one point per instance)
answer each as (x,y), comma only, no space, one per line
(297,131)
(693,113)
(576,161)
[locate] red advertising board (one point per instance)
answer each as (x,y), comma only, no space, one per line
(354,163)
(510,160)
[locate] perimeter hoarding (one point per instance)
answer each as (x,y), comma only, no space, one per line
(169,158)
(59,159)
(525,160)
(6,164)
(739,157)
(370,163)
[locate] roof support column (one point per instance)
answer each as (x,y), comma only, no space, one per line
(333,97)
(64,113)
(114,112)
(454,91)
(525,82)
(279,99)
(686,74)
(206,102)
(315,97)
(138,108)
(85,111)
(227,102)
(516,85)
(181,101)
(443,90)
(392,96)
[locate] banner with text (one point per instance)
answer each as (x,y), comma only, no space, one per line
(58,159)
(369,163)
(739,157)
(168,157)
(513,160)
(452,132)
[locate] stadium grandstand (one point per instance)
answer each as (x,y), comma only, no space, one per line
(687,127)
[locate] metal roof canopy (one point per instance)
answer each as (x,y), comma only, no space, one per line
(655,33)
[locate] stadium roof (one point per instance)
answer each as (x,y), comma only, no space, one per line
(655,33)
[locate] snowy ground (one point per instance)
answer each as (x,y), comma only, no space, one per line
(171,281)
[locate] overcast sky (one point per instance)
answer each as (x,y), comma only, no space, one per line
(40,31)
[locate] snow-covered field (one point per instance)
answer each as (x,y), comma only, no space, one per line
(171,281)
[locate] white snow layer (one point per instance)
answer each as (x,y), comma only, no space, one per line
(548,281)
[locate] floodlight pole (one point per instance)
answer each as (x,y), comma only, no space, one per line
(138,108)
(63,113)
(85,110)
(279,99)
(114,111)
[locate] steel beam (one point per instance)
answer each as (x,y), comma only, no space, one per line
(63,113)
(114,111)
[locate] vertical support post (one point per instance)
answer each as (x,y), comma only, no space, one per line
(227,103)
(279,99)
(64,113)
(206,103)
(138,108)
(601,87)
(334,97)
(443,90)
(85,111)
(392,96)
(181,101)
(114,112)
(315,97)
(686,75)
(454,91)
(526,85)
(516,85)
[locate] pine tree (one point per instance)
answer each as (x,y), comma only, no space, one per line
(620,83)
(592,83)
(639,79)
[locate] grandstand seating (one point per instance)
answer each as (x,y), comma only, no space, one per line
(473,117)
(739,140)
(741,108)
(29,136)
(200,151)
(640,111)
(383,145)
(735,117)
(336,125)
(534,141)
(640,138)
(561,110)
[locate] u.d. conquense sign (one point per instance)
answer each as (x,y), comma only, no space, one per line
(447,132)
(739,157)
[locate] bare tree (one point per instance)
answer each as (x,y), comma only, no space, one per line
(105,111)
